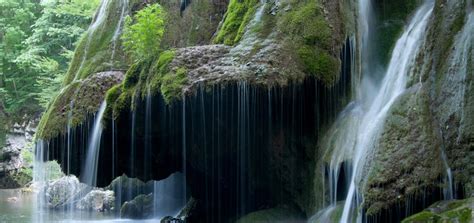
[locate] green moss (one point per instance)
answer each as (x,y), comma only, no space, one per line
(424,216)
(319,63)
(50,126)
(95,52)
(172,84)
(445,211)
(310,37)
(132,76)
(278,214)
(238,15)
(163,61)
(307,21)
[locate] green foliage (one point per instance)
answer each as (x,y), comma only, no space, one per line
(36,49)
(54,170)
(310,36)
(238,15)
(27,156)
(142,34)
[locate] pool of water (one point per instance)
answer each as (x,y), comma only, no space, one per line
(18,207)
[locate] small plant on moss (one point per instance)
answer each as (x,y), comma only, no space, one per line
(142,35)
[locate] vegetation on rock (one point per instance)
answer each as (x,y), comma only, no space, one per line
(238,15)
(142,35)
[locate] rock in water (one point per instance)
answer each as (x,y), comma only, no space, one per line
(140,207)
(63,191)
(97,200)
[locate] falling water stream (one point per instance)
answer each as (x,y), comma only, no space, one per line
(90,167)
(103,13)
(99,20)
(392,86)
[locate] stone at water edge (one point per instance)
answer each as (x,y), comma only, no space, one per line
(169,219)
(62,191)
(97,200)
(140,207)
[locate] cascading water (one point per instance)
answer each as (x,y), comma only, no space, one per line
(118,29)
(99,20)
(103,13)
(391,87)
(90,166)
(169,196)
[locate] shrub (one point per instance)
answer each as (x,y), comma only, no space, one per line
(142,35)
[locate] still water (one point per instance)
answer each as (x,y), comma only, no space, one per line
(17,206)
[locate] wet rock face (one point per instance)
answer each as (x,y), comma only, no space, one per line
(12,163)
(76,102)
(433,116)
(408,157)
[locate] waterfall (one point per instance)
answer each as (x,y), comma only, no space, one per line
(391,87)
(89,173)
(118,28)
(39,178)
(98,21)
(457,72)
(169,198)
(102,17)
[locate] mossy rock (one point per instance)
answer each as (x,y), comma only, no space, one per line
(194,26)
(78,100)
(238,15)
(407,159)
(140,207)
(309,35)
(461,211)
(99,49)
(278,214)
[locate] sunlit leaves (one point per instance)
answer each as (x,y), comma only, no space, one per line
(142,35)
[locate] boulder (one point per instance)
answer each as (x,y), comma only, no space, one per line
(63,191)
(97,200)
(141,207)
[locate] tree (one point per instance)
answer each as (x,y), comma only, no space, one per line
(39,46)
(142,35)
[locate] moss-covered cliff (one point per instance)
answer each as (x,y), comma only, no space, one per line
(431,118)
